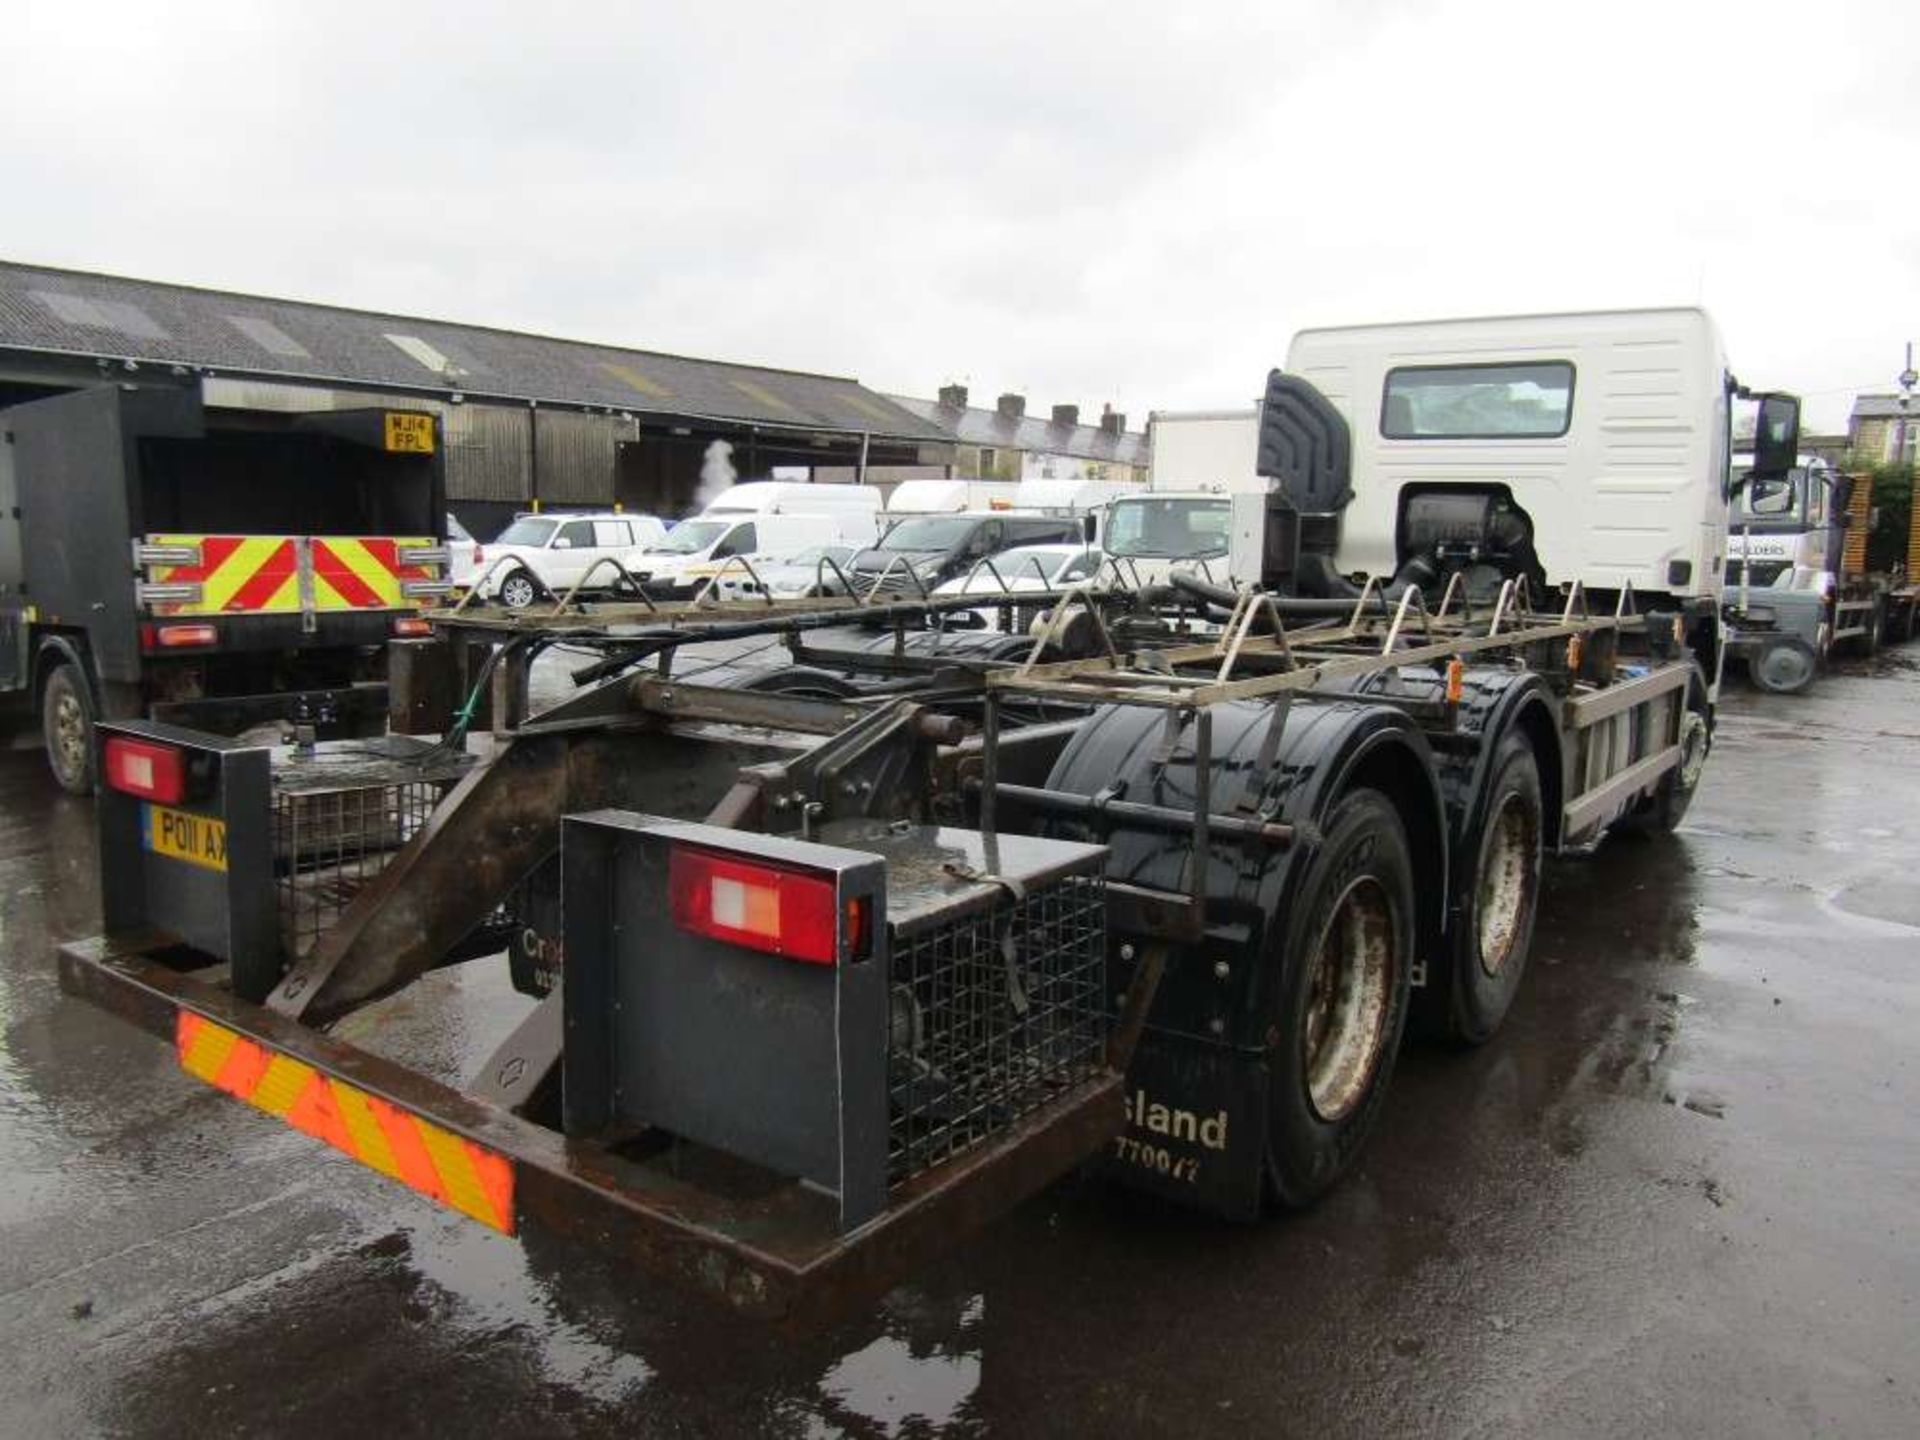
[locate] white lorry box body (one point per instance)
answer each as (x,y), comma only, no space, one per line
(855,509)
(1069,497)
(1204,450)
(1609,429)
(949,497)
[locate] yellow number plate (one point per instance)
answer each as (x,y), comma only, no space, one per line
(197,839)
(409,433)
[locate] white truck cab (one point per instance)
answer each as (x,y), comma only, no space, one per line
(1604,436)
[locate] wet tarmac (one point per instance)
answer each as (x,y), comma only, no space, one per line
(1676,1196)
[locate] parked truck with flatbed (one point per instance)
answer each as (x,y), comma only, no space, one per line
(829,962)
(211,567)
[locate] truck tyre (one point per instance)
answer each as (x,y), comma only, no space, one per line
(1493,931)
(1343,998)
(1663,810)
(519,589)
(1785,667)
(66,723)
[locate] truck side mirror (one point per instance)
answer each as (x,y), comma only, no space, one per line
(1776,435)
(1089,527)
(1842,497)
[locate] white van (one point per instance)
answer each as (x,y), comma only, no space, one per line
(695,550)
(854,509)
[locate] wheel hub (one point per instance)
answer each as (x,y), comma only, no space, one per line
(1349,996)
(69,733)
(1506,883)
(1693,748)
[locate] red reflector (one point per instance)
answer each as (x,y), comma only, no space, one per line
(175,637)
(140,767)
(755,904)
(412,627)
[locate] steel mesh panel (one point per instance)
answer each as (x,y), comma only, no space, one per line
(329,843)
(978,1039)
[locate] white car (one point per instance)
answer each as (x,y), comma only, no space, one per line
(792,576)
(549,554)
(1027,568)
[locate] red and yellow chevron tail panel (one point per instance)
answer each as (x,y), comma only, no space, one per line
(261,574)
(457,1172)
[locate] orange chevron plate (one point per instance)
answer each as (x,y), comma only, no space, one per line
(468,1177)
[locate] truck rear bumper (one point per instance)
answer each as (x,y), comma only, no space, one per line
(774,1251)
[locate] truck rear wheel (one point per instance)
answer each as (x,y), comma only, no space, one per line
(66,723)
(1494,933)
(1343,998)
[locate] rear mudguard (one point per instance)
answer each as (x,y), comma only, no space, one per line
(1197,1088)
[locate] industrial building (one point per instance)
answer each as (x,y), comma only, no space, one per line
(528,420)
(1006,443)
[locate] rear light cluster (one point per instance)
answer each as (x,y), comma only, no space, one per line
(179,637)
(750,902)
(146,769)
(412,627)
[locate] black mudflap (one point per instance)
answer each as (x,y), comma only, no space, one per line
(1196,1126)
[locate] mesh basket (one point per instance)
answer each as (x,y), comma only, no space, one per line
(330,840)
(993,1014)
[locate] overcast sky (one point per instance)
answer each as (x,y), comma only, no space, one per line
(1067,200)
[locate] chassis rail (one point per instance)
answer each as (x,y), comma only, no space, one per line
(777,1255)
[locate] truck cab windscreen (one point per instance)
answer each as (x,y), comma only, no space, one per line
(1773,503)
(1169,528)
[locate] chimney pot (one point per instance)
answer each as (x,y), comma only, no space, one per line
(1066,414)
(954,397)
(1013,406)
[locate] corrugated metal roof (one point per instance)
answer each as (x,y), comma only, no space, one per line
(971,425)
(1881,407)
(72,312)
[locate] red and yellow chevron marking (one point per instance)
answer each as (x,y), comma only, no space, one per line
(351,573)
(255,574)
(399,1144)
(260,574)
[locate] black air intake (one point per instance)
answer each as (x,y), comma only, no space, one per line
(1305,446)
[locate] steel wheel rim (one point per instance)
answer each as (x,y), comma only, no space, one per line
(1786,666)
(1693,749)
(1348,998)
(517,592)
(69,732)
(1506,883)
